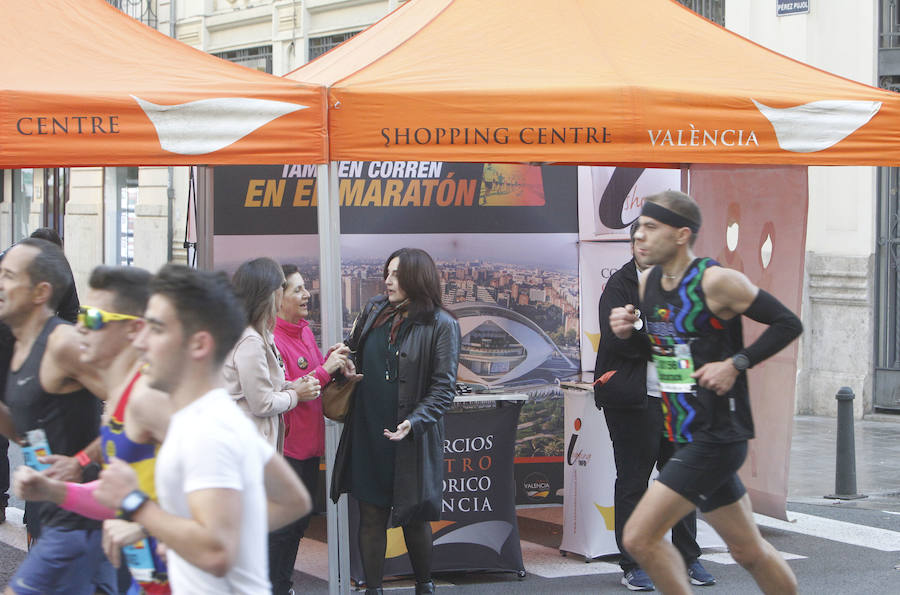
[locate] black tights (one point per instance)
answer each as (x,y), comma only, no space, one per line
(373,544)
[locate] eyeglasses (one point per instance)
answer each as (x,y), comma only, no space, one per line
(95,319)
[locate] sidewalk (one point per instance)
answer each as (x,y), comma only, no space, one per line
(812,470)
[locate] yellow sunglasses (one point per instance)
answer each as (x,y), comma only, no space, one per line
(95,319)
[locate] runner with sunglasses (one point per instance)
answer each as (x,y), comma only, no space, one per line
(48,390)
(133,428)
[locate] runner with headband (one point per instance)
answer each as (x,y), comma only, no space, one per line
(693,308)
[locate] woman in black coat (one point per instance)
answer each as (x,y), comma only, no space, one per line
(391,452)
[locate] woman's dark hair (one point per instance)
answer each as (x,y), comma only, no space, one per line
(45,233)
(418,278)
(255,282)
(289,269)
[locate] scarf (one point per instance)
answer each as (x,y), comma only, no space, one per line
(396,314)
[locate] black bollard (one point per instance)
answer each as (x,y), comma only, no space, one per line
(845,459)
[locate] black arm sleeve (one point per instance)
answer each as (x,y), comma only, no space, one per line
(616,295)
(784,327)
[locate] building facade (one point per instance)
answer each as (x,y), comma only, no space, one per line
(851,299)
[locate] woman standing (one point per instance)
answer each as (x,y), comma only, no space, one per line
(253,371)
(304,441)
(391,452)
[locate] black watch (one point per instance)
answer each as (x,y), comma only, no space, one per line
(132,503)
(740,362)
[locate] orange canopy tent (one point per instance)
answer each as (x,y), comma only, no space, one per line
(589,81)
(81,83)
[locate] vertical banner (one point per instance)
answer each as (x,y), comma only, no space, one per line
(589,511)
(478,529)
(754,220)
(597,261)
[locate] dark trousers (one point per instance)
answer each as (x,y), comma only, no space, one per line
(284,542)
(638,444)
(4,472)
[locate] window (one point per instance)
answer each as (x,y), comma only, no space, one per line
(714,10)
(22,195)
(320,45)
(142,10)
(258,58)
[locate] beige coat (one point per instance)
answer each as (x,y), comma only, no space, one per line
(254,377)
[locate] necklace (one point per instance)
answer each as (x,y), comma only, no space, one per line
(676,275)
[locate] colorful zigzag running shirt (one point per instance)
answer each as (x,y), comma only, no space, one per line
(685,335)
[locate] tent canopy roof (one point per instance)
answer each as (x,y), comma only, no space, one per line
(82,83)
(589,81)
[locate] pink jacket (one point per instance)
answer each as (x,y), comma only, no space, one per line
(305,435)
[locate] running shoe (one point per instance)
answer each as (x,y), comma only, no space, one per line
(699,576)
(637,580)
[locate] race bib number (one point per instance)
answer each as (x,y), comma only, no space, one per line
(674,366)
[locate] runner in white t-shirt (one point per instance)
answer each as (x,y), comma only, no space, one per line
(221,487)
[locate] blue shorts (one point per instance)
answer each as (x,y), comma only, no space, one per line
(69,561)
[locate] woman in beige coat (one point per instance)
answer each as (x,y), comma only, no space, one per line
(254,371)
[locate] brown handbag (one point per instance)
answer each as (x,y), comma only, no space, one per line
(336,398)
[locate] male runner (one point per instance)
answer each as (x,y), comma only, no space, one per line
(134,424)
(221,486)
(47,390)
(693,308)
(633,411)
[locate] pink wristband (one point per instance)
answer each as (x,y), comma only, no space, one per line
(80,498)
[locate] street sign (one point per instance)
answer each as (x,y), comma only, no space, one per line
(789,7)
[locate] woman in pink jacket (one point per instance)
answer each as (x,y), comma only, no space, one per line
(304,442)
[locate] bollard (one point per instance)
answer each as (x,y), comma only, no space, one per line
(845,458)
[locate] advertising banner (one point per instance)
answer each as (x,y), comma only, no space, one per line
(610,198)
(590,476)
(597,261)
(478,529)
(589,508)
(503,236)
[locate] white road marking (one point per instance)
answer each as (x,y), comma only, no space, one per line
(725,557)
(840,531)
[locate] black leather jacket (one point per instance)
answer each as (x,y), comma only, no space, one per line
(429,357)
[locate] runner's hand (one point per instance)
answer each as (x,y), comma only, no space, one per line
(118,533)
(116,481)
(622,321)
(29,484)
(62,468)
(716,376)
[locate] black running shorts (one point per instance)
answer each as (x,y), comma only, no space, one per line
(706,473)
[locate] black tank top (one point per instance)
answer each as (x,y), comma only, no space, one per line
(685,335)
(71,421)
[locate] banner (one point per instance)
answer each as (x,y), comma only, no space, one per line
(589,508)
(478,529)
(611,198)
(504,239)
(597,262)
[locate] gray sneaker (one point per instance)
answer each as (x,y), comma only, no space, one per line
(637,580)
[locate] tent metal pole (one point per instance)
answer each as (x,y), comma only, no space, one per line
(332,332)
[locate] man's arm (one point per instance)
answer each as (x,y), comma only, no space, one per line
(64,354)
(617,295)
(6,424)
(149,410)
(288,499)
(70,468)
(729,293)
(207,540)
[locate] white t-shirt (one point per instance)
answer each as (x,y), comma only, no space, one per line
(211,444)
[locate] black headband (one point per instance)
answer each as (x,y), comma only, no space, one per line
(664,215)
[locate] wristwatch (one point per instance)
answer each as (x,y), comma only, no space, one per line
(132,503)
(740,362)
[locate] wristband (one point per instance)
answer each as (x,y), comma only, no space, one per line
(83,459)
